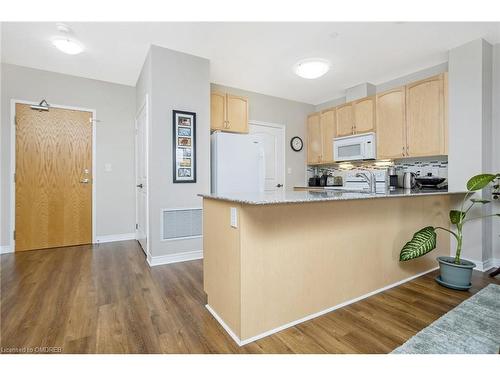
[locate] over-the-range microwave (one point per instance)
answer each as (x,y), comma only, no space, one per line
(355,147)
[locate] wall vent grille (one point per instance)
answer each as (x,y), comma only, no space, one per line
(181,223)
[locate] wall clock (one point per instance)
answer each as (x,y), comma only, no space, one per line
(296,144)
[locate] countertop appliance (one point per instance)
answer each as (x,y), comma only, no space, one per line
(409,181)
(355,147)
(334,181)
(393,178)
(314,181)
(238,163)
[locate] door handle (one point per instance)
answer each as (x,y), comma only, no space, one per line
(84,180)
(140,186)
(279,185)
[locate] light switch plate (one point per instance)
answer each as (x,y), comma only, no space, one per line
(107,167)
(234,217)
(289,170)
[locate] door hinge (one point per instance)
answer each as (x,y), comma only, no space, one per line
(14,178)
(15,120)
(136,226)
(14,235)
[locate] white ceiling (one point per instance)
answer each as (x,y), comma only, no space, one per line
(252,56)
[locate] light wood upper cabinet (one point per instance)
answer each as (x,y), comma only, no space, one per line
(391,124)
(217,110)
(228,113)
(327,126)
(345,120)
(314,140)
(237,114)
(364,115)
(425,117)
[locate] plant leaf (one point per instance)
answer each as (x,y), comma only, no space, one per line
(480,200)
(480,181)
(456,216)
(422,242)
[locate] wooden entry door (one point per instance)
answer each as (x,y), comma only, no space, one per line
(53,178)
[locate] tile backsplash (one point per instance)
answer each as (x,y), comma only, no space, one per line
(437,166)
(422,167)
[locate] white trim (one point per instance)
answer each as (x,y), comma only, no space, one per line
(115,237)
(13,103)
(6,249)
(162,239)
(283,128)
(145,104)
(486,265)
(175,258)
(229,331)
(308,317)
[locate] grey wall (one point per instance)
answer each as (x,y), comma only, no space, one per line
(281,111)
(495,139)
(470,130)
(398,82)
(115,107)
(178,81)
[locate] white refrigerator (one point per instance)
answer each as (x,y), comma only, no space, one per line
(237,163)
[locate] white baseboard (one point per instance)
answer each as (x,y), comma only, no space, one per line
(486,265)
(175,258)
(115,237)
(6,249)
(308,317)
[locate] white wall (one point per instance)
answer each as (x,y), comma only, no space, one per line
(115,108)
(281,111)
(470,130)
(176,81)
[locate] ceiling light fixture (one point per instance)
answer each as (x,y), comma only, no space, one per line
(66,45)
(311,68)
(66,42)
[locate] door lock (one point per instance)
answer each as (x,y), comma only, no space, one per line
(140,186)
(279,185)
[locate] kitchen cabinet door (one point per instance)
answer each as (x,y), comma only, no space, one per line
(236,114)
(391,124)
(425,120)
(327,125)
(314,140)
(217,110)
(345,120)
(364,115)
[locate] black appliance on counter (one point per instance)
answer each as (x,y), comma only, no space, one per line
(314,181)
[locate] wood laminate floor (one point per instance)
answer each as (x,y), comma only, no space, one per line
(106,299)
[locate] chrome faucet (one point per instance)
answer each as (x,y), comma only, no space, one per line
(370,179)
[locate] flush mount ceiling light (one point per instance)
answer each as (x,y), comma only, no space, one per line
(66,42)
(311,68)
(66,45)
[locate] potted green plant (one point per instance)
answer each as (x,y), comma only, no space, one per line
(455,273)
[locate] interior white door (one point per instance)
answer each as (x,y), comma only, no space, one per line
(272,138)
(141,179)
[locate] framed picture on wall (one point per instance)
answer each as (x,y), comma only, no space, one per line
(184,146)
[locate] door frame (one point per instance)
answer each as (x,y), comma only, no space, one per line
(282,127)
(143,106)
(13,103)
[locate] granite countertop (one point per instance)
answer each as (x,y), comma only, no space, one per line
(282,197)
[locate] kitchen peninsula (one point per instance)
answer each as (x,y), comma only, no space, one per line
(272,260)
